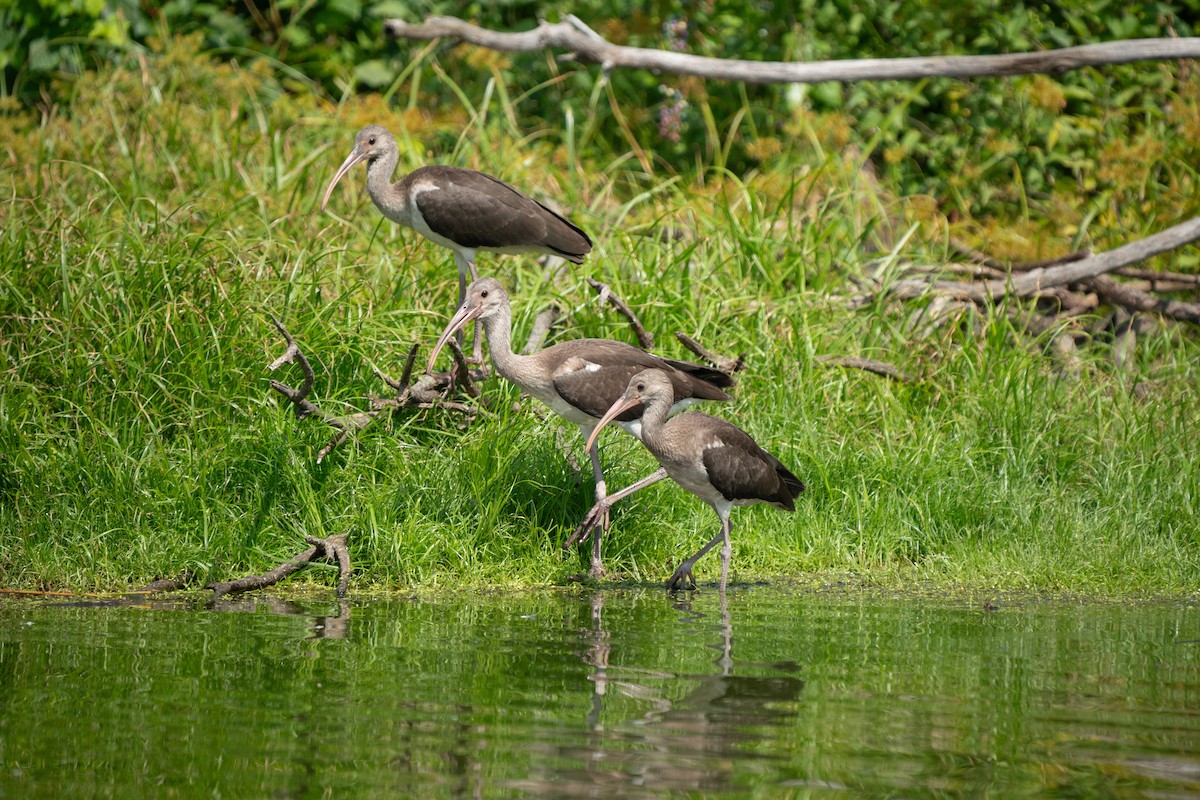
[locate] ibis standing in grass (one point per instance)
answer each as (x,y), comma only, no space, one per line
(581,378)
(460,209)
(710,457)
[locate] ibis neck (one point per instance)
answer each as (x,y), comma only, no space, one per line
(498,329)
(654,418)
(391,199)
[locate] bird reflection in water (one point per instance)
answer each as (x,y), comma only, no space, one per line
(683,743)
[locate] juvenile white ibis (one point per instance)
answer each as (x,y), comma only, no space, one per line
(710,457)
(461,209)
(580,379)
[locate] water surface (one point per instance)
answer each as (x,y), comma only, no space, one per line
(608,694)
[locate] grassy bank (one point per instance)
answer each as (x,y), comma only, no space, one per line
(154,221)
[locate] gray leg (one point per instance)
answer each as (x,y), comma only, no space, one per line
(726,551)
(684,570)
(599,512)
(465,267)
(597,569)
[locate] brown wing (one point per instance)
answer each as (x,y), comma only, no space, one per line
(741,470)
(477,210)
(593,373)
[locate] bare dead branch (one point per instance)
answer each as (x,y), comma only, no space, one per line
(409,362)
(723,363)
(1029,266)
(332,549)
(429,391)
(462,370)
(881,368)
(337,439)
(970,270)
(1161,280)
(1037,280)
(290,356)
(1134,299)
(644,337)
(589,47)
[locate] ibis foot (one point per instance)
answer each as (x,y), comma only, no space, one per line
(683,573)
(591,576)
(597,515)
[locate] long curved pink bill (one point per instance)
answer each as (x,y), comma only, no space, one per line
(457,322)
(623,404)
(352,159)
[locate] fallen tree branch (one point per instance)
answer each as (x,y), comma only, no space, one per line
(587,46)
(881,368)
(429,391)
(1136,300)
(1037,280)
(1174,281)
(644,337)
(723,363)
(332,549)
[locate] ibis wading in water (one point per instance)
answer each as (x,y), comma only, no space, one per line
(461,209)
(710,457)
(580,379)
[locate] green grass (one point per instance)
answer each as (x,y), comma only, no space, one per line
(150,228)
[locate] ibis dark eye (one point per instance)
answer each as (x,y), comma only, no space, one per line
(371,141)
(484,293)
(641,387)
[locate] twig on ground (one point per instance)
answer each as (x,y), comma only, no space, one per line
(881,368)
(645,339)
(723,363)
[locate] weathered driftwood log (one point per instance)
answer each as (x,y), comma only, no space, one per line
(587,46)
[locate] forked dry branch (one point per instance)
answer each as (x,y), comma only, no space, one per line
(332,549)
(427,392)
